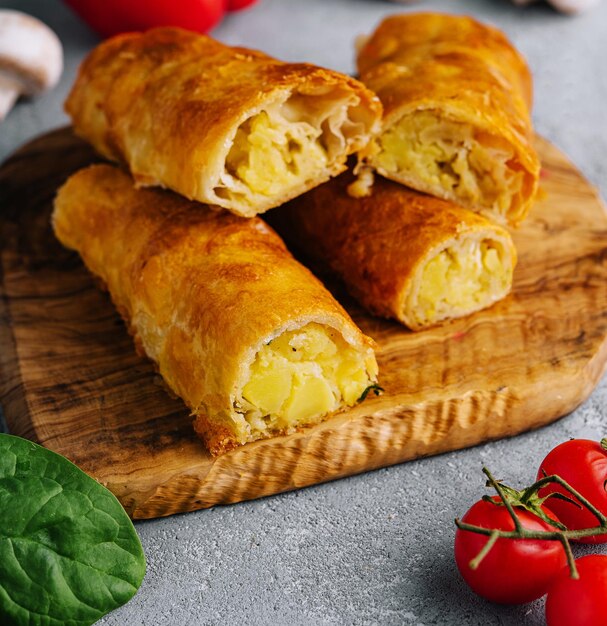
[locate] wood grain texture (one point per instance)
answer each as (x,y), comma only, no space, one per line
(70,378)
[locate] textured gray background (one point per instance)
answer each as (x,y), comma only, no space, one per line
(376,548)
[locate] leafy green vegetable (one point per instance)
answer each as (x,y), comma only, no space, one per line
(69,554)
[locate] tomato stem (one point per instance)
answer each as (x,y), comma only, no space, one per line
(604,443)
(529,499)
(570,559)
(565,485)
(549,535)
(476,561)
(498,487)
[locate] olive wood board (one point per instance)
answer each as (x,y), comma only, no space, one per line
(70,378)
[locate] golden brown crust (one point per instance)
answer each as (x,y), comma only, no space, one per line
(218,439)
(461,69)
(167,103)
(201,290)
(377,243)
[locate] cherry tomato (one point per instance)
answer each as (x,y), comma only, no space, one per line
(111,17)
(515,570)
(579,602)
(583,464)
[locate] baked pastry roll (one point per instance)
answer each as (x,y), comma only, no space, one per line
(225,126)
(245,335)
(457,98)
(402,254)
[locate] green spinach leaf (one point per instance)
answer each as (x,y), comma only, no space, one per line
(69,553)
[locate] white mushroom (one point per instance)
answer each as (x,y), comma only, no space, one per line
(573,6)
(566,6)
(31,58)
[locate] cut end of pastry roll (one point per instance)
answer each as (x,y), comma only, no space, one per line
(457,97)
(465,275)
(290,146)
(454,160)
(222,125)
(403,254)
(251,341)
(296,379)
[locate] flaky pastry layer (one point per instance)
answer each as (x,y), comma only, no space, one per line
(223,125)
(402,254)
(245,335)
(457,98)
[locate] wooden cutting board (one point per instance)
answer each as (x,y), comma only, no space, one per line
(70,378)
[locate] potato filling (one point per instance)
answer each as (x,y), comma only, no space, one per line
(301,376)
(451,160)
(279,150)
(462,279)
(269,154)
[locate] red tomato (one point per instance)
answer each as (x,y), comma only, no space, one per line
(515,570)
(111,17)
(579,602)
(236,5)
(583,464)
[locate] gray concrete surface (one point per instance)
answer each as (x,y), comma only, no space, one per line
(375,548)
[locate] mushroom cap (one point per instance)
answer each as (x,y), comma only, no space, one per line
(566,6)
(573,6)
(31,56)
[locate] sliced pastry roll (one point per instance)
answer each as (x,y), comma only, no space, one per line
(402,254)
(225,126)
(457,99)
(249,338)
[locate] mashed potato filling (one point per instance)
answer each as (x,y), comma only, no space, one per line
(452,160)
(301,376)
(269,154)
(286,145)
(460,279)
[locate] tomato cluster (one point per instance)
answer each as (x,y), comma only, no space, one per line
(112,17)
(531,560)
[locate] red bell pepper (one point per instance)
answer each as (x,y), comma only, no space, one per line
(111,17)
